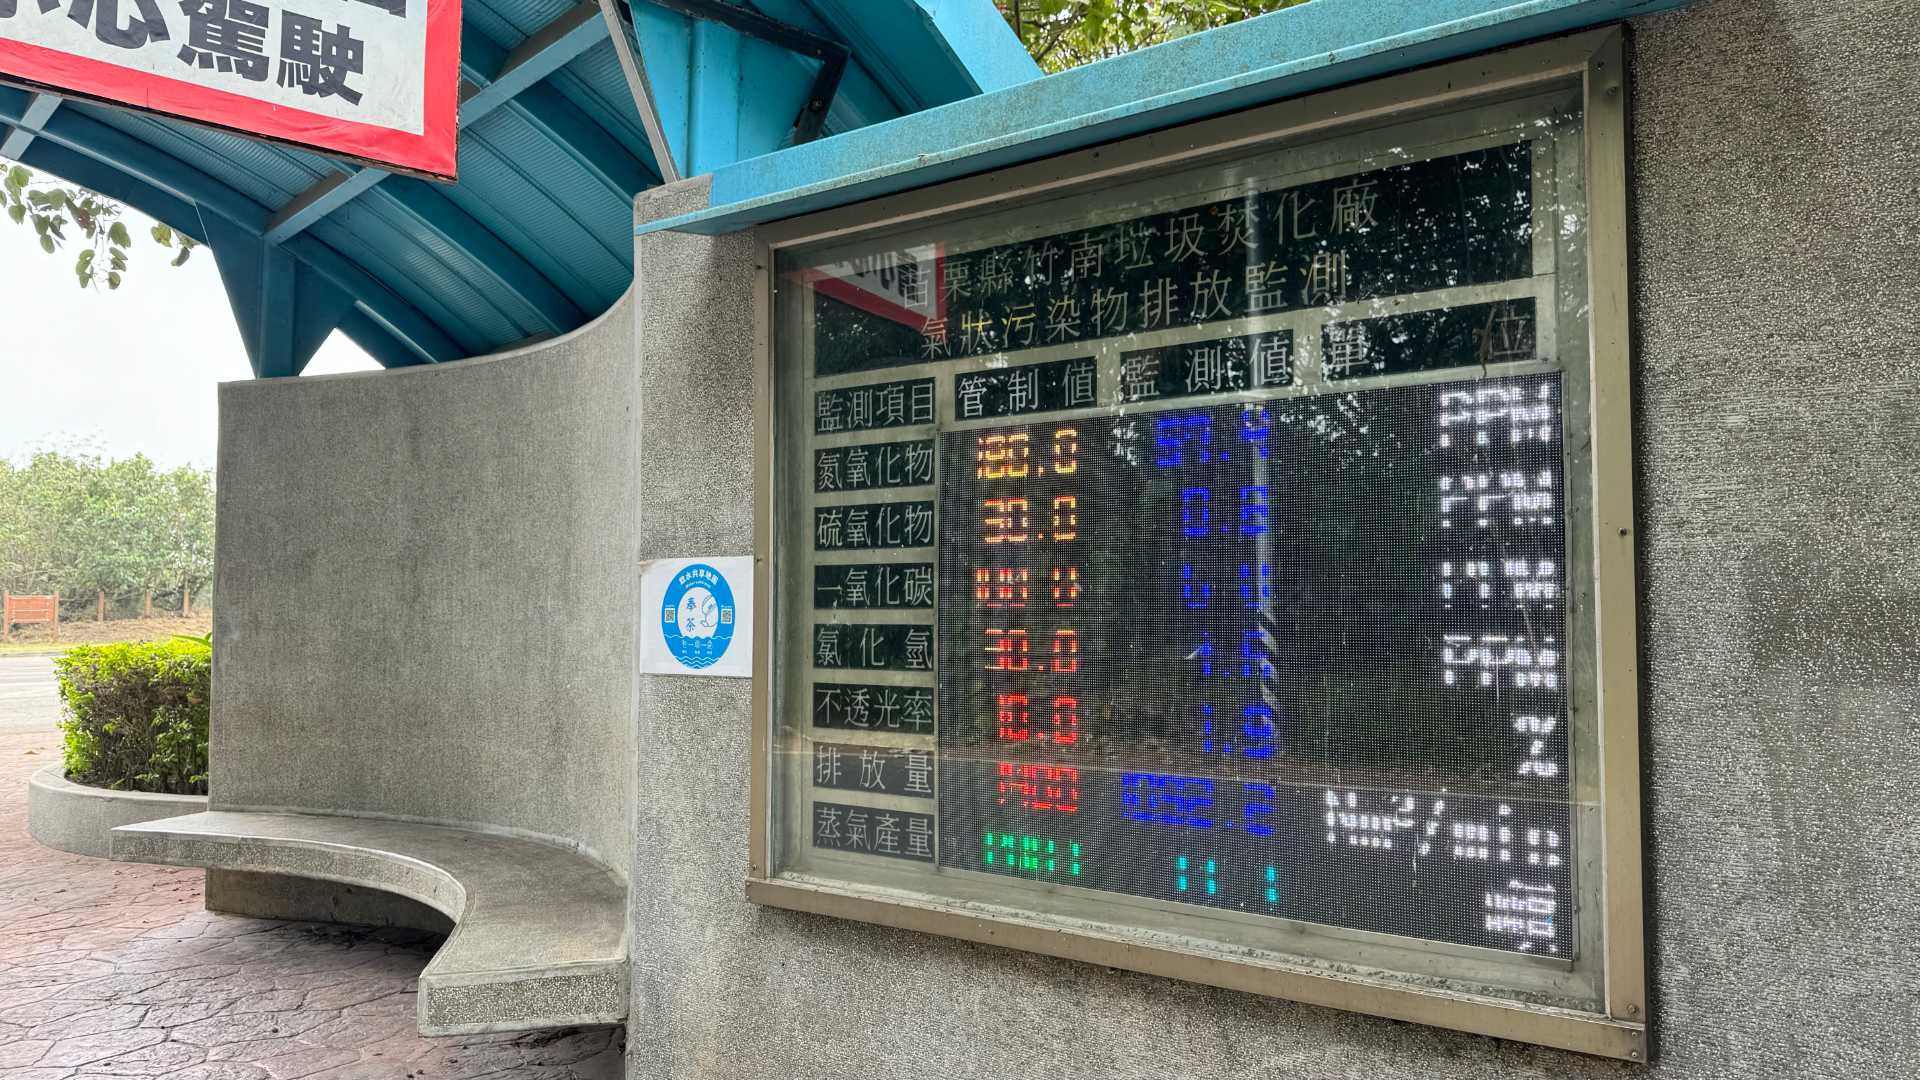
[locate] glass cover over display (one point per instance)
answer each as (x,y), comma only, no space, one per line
(1201,555)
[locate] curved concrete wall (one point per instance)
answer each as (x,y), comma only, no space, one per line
(428,584)
(79,819)
(1779,412)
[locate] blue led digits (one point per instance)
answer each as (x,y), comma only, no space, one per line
(1254,812)
(1256,427)
(1179,438)
(1253,654)
(1256,588)
(1194,514)
(1194,593)
(1167,799)
(1257,726)
(1254,512)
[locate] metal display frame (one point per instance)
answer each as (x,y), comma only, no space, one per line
(1591,64)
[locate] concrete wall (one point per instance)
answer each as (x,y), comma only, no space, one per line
(427,586)
(1779,420)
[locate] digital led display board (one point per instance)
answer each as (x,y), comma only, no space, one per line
(1209,559)
(1295,657)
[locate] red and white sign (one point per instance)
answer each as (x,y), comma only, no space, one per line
(905,286)
(373,80)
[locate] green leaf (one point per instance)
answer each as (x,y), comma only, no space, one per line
(18,177)
(118,234)
(113,280)
(163,235)
(17,212)
(85,260)
(46,243)
(182,257)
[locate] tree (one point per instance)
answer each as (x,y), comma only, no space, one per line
(74,523)
(1064,33)
(50,208)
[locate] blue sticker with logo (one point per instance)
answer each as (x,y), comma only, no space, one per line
(697,617)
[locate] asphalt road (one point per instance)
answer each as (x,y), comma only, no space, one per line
(29,696)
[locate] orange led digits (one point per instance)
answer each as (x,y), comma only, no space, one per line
(1066,517)
(1005,521)
(1002,457)
(1066,451)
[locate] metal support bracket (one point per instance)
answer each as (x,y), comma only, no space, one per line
(832,55)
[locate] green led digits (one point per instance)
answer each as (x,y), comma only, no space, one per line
(1020,854)
(1182,883)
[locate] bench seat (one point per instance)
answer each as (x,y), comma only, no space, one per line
(539,938)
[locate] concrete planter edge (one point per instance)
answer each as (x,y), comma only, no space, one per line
(79,819)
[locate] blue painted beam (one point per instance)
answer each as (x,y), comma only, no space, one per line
(283,308)
(1299,50)
(492,77)
(549,110)
(544,52)
(323,198)
(114,163)
(38,111)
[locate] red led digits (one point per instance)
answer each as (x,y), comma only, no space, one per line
(1066,720)
(1011,712)
(1066,586)
(1007,650)
(1000,588)
(1023,504)
(1053,788)
(1066,652)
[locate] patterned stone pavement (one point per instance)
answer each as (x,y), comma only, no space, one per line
(111,970)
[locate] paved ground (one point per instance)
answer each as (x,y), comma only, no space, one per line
(110,970)
(29,697)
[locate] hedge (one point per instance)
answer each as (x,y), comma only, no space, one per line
(136,715)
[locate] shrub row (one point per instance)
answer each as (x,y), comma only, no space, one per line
(136,715)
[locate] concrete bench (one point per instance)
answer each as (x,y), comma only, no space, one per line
(539,938)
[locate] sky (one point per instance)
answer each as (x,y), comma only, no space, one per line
(122,372)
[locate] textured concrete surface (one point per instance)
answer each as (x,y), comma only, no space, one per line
(1778,416)
(277,896)
(428,588)
(112,970)
(29,693)
(539,938)
(80,820)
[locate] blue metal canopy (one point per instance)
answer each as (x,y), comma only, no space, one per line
(1279,55)
(561,124)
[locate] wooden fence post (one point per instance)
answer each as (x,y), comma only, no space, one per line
(100,611)
(147,612)
(56,615)
(186,601)
(6,616)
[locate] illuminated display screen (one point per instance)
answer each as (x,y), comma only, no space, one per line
(1205,557)
(1298,657)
